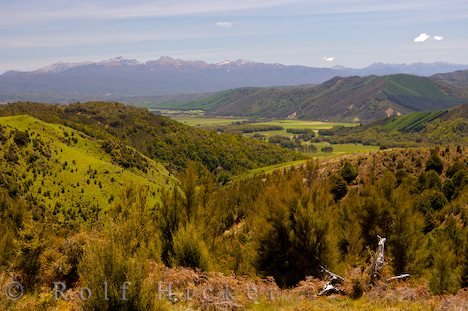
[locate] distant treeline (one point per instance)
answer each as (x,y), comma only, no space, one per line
(249,129)
(300,131)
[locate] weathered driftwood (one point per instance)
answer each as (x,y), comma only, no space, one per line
(398,277)
(329,289)
(331,286)
(339,279)
(379,259)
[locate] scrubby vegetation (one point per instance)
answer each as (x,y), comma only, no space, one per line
(82,206)
(411,130)
(159,138)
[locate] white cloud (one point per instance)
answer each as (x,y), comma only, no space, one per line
(438,38)
(328,59)
(422,37)
(224,24)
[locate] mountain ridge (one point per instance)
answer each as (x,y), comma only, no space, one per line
(352,98)
(120,79)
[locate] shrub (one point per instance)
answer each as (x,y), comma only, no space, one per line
(107,261)
(327,149)
(21,138)
(295,244)
(431,200)
(429,180)
(445,275)
(189,249)
(338,187)
(357,289)
(435,163)
(348,172)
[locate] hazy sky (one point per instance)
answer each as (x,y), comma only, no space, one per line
(324,33)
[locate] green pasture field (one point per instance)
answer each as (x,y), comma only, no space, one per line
(340,149)
(208,122)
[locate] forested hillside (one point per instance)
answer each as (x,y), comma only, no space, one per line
(159,138)
(285,225)
(414,129)
(82,203)
(351,99)
(457,78)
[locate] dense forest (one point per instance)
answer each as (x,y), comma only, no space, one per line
(103,192)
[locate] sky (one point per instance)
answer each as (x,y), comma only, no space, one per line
(319,33)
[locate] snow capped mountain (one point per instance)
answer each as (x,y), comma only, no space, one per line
(120,61)
(60,67)
(120,78)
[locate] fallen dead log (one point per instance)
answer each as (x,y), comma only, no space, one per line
(331,286)
(329,289)
(339,279)
(398,277)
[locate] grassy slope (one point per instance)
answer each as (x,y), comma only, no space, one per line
(69,185)
(158,137)
(408,85)
(413,122)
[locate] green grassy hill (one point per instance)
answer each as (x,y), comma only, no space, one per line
(69,172)
(412,122)
(159,138)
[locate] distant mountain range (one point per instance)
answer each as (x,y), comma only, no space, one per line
(132,81)
(341,98)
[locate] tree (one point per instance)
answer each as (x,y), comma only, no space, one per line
(12,215)
(350,236)
(189,181)
(445,274)
(327,149)
(435,163)
(171,215)
(21,138)
(30,244)
(120,253)
(189,248)
(338,187)
(295,240)
(429,180)
(134,223)
(406,240)
(348,172)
